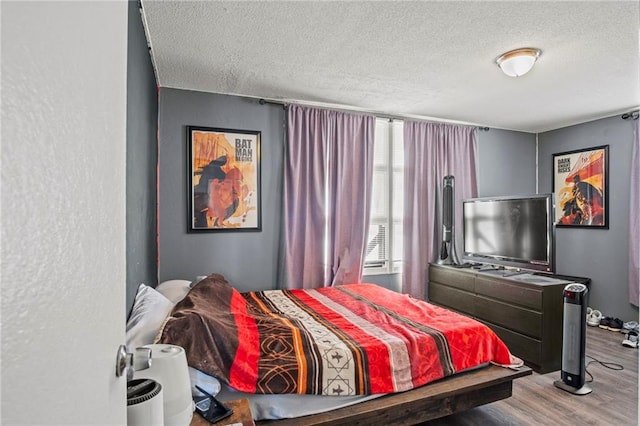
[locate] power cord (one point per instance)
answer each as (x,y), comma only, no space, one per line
(610,365)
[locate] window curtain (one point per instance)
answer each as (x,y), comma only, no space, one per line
(432,151)
(327,196)
(634,219)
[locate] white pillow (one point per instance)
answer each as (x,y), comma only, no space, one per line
(174,290)
(197,280)
(150,309)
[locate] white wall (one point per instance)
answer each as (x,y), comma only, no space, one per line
(63,211)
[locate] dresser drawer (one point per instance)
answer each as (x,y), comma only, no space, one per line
(523,321)
(526,315)
(453,298)
(523,347)
(512,293)
(452,278)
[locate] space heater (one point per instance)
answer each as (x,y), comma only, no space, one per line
(448,255)
(574,333)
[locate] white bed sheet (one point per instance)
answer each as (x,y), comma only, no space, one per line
(273,407)
(283,406)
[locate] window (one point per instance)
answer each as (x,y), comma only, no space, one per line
(384,239)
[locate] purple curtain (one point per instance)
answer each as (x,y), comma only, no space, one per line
(431,152)
(634,219)
(327,196)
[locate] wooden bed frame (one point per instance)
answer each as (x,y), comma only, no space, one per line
(428,402)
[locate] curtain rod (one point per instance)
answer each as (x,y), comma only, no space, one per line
(284,104)
(627,115)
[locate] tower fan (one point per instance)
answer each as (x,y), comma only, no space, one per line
(448,255)
(574,333)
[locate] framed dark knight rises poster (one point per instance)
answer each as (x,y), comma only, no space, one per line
(580,184)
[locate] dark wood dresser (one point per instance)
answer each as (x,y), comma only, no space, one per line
(525,313)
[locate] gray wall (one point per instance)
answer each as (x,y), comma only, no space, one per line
(247,259)
(600,254)
(142,157)
(506,163)
(507,166)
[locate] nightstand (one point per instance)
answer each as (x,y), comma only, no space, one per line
(241,414)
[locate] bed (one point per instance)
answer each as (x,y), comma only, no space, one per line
(417,360)
(438,399)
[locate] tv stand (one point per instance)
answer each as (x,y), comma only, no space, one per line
(524,309)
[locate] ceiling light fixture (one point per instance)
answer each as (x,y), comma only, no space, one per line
(518,62)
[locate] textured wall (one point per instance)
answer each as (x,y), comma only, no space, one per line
(63,211)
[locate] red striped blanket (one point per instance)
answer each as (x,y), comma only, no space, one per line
(353,339)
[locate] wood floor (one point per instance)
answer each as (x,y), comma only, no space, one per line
(536,401)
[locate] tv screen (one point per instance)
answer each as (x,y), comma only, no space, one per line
(515,232)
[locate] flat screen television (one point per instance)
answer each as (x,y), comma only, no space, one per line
(516,232)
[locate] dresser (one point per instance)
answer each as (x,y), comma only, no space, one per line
(524,310)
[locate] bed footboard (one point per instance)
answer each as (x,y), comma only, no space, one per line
(438,399)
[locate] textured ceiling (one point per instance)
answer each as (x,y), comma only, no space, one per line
(430,60)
